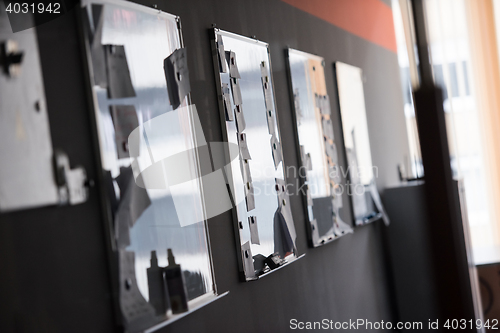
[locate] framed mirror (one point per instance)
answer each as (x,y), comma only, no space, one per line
(361,171)
(320,173)
(263,221)
(156,223)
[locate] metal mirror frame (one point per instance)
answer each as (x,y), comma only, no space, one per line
(245,274)
(374,210)
(145,323)
(319,106)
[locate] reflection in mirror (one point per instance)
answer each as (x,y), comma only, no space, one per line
(264,225)
(140,88)
(319,169)
(361,171)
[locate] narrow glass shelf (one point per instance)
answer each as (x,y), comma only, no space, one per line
(277,269)
(196,304)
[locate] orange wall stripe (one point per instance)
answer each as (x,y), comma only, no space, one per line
(368,19)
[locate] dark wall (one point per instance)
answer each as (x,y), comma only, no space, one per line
(53,275)
(53,268)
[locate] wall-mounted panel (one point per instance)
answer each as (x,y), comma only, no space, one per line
(264,224)
(148,136)
(320,172)
(366,203)
(27,178)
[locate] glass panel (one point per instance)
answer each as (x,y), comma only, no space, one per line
(138,130)
(463,66)
(450,48)
(357,142)
(320,172)
(413,168)
(274,235)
